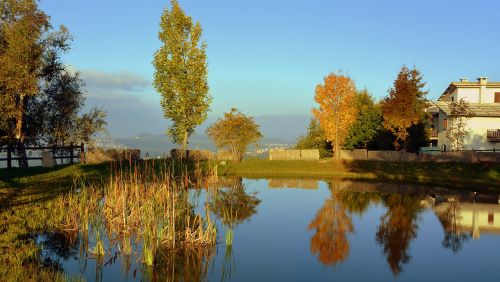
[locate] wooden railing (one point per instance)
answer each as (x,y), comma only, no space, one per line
(493,135)
(70,150)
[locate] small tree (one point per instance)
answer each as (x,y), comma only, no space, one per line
(181,73)
(315,139)
(368,122)
(405,104)
(337,110)
(234,132)
(459,114)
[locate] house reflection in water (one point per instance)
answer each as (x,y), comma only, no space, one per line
(472,216)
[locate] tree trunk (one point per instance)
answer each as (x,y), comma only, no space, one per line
(21,150)
(184,144)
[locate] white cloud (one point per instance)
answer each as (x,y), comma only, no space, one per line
(119,81)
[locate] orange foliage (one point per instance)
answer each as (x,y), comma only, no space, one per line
(405,104)
(337,111)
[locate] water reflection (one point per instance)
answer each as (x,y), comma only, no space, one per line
(332,224)
(396,211)
(398,226)
(231,203)
(463,215)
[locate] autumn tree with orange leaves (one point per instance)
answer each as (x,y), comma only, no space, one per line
(404,107)
(337,110)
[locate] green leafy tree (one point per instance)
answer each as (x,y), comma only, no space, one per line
(235,132)
(405,104)
(181,73)
(49,111)
(367,124)
(23,30)
(315,139)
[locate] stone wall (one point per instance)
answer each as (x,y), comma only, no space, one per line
(398,156)
(358,154)
(294,155)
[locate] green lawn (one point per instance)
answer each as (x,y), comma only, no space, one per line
(454,175)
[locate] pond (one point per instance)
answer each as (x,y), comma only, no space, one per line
(316,230)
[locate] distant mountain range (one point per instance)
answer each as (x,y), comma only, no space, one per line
(278,131)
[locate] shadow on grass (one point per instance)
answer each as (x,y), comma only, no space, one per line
(38,184)
(480,177)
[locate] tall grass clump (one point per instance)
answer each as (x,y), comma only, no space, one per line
(146,203)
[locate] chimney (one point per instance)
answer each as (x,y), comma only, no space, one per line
(482,80)
(464,79)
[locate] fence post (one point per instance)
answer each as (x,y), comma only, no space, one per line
(82,154)
(9,155)
(71,155)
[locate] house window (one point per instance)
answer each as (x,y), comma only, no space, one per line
(491,218)
(445,124)
(497,97)
(452,99)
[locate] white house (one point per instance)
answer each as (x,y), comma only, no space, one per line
(483,129)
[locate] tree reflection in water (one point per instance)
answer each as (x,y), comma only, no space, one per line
(233,206)
(233,199)
(332,223)
(397,228)
(454,237)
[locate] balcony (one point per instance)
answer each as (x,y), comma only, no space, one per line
(493,135)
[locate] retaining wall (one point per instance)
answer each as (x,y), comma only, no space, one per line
(398,156)
(294,155)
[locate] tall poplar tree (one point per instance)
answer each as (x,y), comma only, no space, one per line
(181,73)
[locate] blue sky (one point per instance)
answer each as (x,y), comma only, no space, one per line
(266,57)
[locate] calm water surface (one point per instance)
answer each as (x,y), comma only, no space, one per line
(313,230)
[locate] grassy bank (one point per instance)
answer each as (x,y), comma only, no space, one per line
(35,201)
(459,175)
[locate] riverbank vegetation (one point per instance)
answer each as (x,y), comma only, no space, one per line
(141,209)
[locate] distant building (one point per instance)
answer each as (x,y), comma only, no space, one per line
(483,130)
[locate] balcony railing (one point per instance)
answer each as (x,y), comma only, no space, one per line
(493,135)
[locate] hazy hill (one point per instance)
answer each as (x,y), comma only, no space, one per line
(277,130)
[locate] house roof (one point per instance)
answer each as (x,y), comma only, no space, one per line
(467,84)
(479,110)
